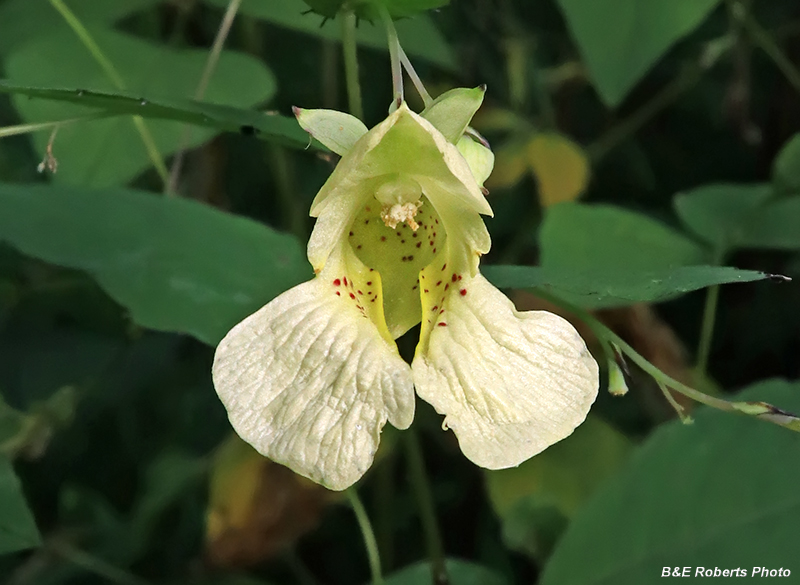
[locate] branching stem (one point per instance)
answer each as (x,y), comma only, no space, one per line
(113,75)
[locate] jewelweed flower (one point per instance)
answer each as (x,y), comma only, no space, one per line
(311,378)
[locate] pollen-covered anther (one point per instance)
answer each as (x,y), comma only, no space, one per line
(400,199)
(399,213)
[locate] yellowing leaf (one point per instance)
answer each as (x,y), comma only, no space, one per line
(510,165)
(560,166)
(256,507)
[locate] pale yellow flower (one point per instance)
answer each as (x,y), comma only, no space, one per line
(311,378)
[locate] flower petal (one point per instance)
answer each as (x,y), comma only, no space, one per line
(336,130)
(309,381)
(510,384)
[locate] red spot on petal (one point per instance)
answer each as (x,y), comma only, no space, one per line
(446,286)
(419,244)
(443,267)
(459,277)
(338,294)
(345,281)
(439,283)
(352,296)
(426,290)
(455,278)
(369,283)
(383,238)
(361,293)
(337,282)
(440,324)
(463,292)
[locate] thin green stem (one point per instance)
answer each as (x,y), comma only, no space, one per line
(350,55)
(208,70)
(96,565)
(709,318)
(707,330)
(415,79)
(685,419)
(368,534)
(18,129)
(422,491)
(394,55)
(762,38)
(384,509)
(113,75)
(601,331)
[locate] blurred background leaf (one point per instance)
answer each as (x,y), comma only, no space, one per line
(103,153)
(717,493)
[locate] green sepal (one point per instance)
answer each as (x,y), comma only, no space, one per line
(452,111)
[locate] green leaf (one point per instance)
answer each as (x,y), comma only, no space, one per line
(620,40)
(267,125)
(593,288)
(604,237)
(34,18)
(110,151)
(17,527)
(776,225)
(419,35)
(719,493)
(535,499)
(721,214)
(460,573)
(177,265)
(786,168)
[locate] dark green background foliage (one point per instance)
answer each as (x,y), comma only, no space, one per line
(112,294)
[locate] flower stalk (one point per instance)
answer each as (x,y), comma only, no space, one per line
(369,535)
(350,54)
(427,510)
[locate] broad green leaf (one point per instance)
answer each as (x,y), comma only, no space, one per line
(604,237)
(33,18)
(560,166)
(776,225)
(266,125)
(17,527)
(419,35)
(719,493)
(786,168)
(111,152)
(721,214)
(460,573)
(535,499)
(592,288)
(620,40)
(177,265)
